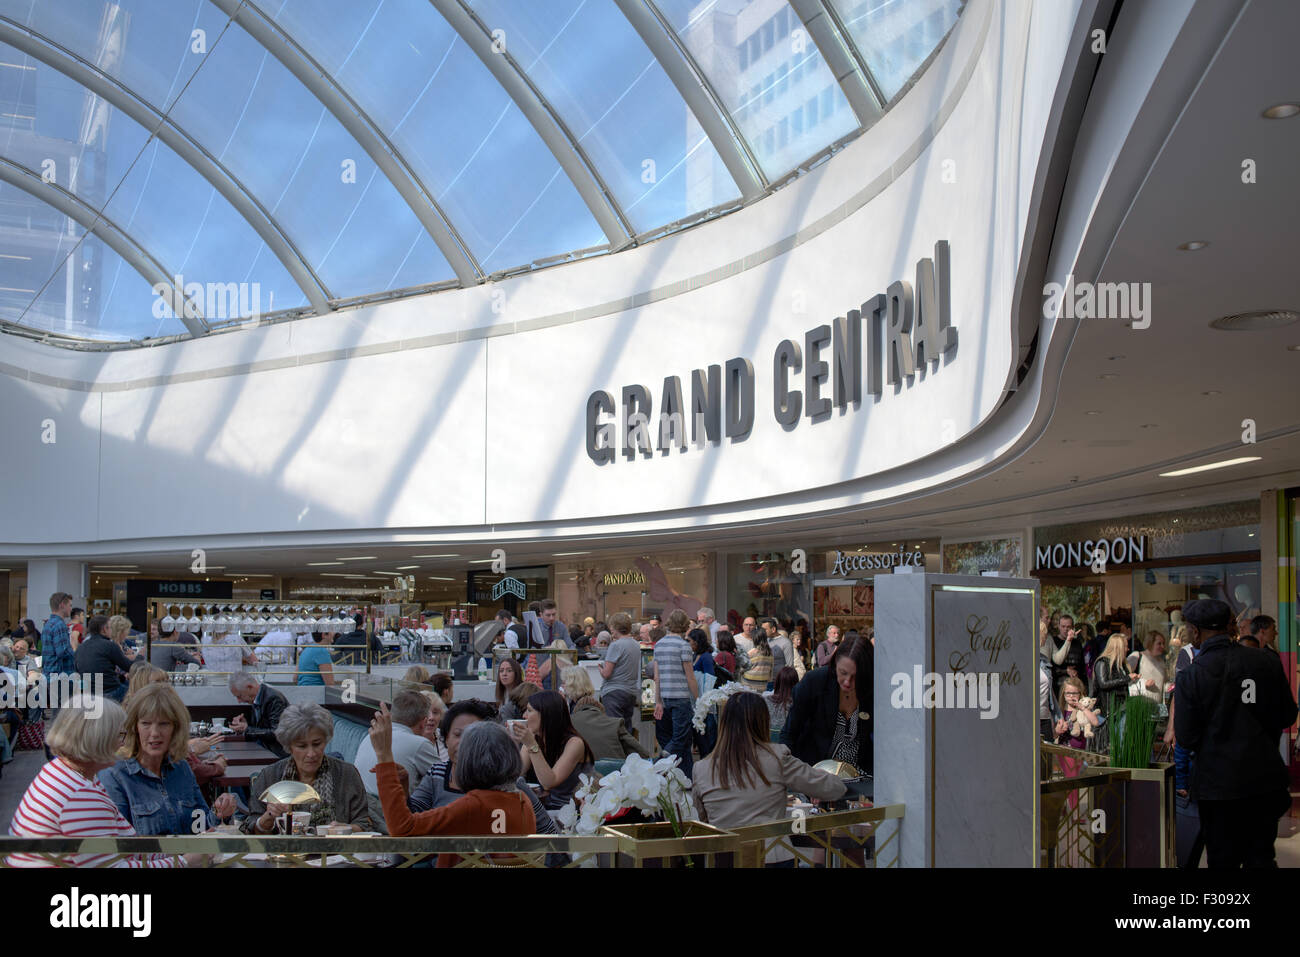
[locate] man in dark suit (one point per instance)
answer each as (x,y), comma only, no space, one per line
(1231,704)
(268,704)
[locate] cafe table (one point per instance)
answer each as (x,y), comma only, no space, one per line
(256,754)
(241,775)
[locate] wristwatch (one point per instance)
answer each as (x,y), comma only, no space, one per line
(533,749)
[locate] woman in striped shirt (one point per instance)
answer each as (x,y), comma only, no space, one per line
(67,800)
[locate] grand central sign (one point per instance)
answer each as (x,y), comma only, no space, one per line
(907,330)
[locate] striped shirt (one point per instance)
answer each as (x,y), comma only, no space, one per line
(670,653)
(62,803)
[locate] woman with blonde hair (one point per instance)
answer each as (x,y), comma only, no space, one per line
(141,674)
(1110,676)
(67,797)
(153,786)
(606,736)
(416,675)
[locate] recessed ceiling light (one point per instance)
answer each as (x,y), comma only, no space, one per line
(436,578)
(1116,358)
(1092,412)
(404,568)
(1281,111)
(1151,425)
(1109,375)
(562,554)
(1066,441)
(1295,348)
(1193,246)
(1211,466)
(482,561)
(358,558)
(453,555)
(1212,392)
(321,564)
(1256,321)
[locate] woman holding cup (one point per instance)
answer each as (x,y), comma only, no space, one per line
(303,731)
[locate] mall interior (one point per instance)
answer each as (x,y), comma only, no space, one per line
(742,305)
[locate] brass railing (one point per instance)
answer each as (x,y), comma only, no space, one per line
(838,838)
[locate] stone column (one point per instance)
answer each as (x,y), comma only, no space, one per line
(956,719)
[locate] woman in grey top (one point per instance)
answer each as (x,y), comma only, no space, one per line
(303,731)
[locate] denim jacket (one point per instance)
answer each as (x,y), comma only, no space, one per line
(156,805)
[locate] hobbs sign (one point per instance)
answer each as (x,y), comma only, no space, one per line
(907,331)
(1116,551)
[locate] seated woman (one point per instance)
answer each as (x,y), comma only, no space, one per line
(552,751)
(416,677)
(745,780)
(759,675)
(443,687)
(487,769)
(315,666)
(510,675)
(781,697)
(517,701)
(67,797)
(606,737)
(433,725)
(303,731)
(153,786)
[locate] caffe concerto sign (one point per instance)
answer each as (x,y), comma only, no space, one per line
(905,329)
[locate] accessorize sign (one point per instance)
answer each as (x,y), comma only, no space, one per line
(907,330)
(846,564)
(1115,551)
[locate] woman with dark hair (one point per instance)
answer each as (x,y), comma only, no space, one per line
(832,713)
(29,632)
(746,778)
(100,655)
(781,697)
(443,687)
(315,665)
(699,641)
(724,659)
(551,749)
(510,675)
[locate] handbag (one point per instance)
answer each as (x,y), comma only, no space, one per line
(31,736)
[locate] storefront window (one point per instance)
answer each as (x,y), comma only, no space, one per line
(1159,593)
(765,585)
(640,585)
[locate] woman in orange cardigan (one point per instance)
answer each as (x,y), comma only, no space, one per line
(487,767)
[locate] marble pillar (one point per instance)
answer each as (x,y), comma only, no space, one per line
(956,723)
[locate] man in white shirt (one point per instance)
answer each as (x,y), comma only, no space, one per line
(745,640)
(276,650)
(226,653)
(411,749)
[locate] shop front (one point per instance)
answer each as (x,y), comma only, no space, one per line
(1142,568)
(488,592)
(1001,554)
(821,587)
(639,585)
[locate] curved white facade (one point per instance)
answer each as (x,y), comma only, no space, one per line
(463,414)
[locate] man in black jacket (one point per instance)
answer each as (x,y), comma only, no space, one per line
(1231,704)
(268,704)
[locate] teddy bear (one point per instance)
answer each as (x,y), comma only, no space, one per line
(1081,724)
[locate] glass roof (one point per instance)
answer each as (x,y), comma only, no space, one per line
(292,155)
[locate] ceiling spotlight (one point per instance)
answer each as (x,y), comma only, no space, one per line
(1109,375)
(1295,348)
(1115,358)
(1212,392)
(1092,412)
(1194,245)
(1282,111)
(1151,425)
